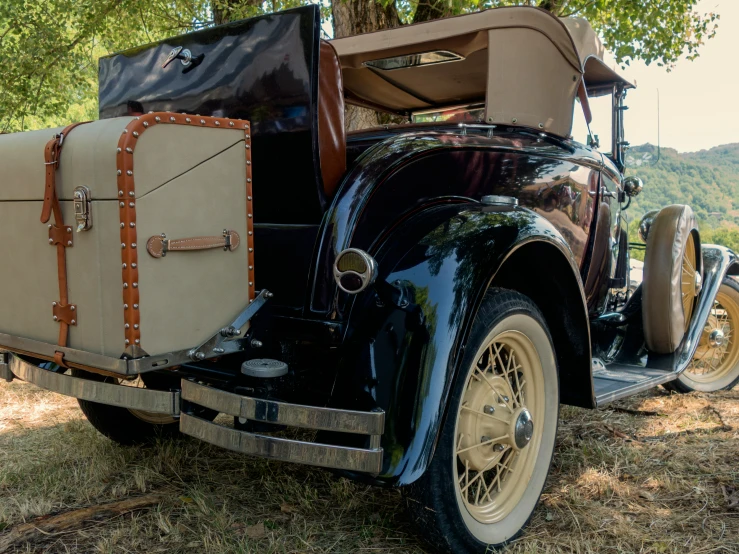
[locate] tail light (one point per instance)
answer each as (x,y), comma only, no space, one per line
(354,270)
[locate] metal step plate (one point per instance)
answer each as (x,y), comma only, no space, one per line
(616,381)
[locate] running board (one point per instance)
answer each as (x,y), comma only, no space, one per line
(616,381)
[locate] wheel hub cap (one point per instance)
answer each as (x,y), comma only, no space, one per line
(523,428)
(716,338)
(484,438)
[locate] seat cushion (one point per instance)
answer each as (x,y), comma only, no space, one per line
(331,131)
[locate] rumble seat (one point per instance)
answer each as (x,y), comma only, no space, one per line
(331,131)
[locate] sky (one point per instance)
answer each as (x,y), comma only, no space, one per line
(699,100)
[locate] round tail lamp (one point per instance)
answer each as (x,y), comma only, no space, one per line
(354,270)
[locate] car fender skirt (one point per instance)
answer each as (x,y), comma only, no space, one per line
(407,336)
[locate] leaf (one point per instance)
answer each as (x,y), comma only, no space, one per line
(286,508)
(256,531)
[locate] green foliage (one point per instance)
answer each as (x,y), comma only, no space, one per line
(661,31)
(49,48)
(708,181)
(636,253)
(723,236)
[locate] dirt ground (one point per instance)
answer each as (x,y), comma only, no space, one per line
(657,473)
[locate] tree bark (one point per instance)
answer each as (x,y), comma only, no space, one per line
(432,9)
(354,17)
(554,6)
(40,528)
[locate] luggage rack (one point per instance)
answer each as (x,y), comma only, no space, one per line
(227,340)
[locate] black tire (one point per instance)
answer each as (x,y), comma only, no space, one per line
(445,520)
(694,378)
(120,424)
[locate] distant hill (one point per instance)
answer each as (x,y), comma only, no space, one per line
(708,181)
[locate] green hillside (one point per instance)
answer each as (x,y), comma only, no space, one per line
(708,181)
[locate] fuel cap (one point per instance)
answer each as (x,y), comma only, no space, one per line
(264,368)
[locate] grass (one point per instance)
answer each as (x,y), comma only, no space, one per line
(659,480)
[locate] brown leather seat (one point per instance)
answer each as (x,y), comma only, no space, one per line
(331,130)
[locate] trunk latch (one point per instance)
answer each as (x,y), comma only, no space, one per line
(83,208)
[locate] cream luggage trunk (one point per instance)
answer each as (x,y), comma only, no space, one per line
(184,176)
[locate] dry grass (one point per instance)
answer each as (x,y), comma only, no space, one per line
(621,482)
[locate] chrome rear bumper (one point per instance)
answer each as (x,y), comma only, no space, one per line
(293,415)
(178,403)
(163,402)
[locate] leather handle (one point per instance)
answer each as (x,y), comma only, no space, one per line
(160,246)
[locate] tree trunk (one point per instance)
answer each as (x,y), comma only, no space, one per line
(432,9)
(554,6)
(353,17)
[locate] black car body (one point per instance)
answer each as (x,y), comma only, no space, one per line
(440,212)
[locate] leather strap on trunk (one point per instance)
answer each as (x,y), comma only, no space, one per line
(59,236)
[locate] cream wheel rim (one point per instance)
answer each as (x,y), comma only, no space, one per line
(499,427)
(149,417)
(689,281)
(718,351)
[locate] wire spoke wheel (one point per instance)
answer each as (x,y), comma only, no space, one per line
(718,350)
(498,433)
(496,443)
(715,363)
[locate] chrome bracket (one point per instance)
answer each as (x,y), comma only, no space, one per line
(5,372)
(83,208)
(218,343)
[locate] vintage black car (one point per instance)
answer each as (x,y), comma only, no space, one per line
(422,295)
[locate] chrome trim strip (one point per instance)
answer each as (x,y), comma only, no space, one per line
(293,415)
(163,402)
(47,350)
(286,450)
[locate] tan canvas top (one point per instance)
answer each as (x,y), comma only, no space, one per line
(524,63)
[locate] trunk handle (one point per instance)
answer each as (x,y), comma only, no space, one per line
(159,246)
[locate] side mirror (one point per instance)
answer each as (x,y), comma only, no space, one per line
(633,186)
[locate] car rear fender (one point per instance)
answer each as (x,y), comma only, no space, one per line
(407,336)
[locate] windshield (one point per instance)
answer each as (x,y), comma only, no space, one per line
(601,126)
(466,114)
